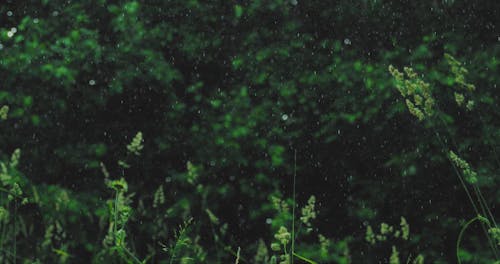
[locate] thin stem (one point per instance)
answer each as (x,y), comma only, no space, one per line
(15,231)
(491,243)
(304,258)
(457,173)
(481,201)
(131,255)
(180,235)
(294,204)
(462,231)
(408,259)
(490,215)
(237,256)
(495,155)
(476,191)
(115,216)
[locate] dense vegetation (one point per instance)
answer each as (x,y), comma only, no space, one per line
(264,131)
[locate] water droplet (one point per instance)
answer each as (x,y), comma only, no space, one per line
(1,46)
(13,29)
(10,34)
(347,41)
(284,117)
(35,20)
(92,82)
(269,221)
(294,2)
(9,13)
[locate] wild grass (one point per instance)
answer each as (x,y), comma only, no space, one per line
(286,225)
(420,103)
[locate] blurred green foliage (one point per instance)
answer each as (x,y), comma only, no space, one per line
(224,92)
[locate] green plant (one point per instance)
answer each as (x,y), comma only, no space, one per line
(411,85)
(392,234)
(11,197)
(284,244)
(181,240)
(120,210)
(227,89)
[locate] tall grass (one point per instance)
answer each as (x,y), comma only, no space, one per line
(419,100)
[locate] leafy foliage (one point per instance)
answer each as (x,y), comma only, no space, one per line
(224,92)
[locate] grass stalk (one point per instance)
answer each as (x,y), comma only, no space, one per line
(462,231)
(292,251)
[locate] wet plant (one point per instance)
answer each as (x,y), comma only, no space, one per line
(393,234)
(12,196)
(284,245)
(421,104)
(120,210)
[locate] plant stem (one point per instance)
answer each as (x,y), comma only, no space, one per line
(294,205)
(131,255)
(115,216)
(304,258)
(481,202)
(460,235)
(15,231)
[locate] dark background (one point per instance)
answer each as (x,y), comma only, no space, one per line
(235,88)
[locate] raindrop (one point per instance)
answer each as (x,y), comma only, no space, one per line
(10,34)
(9,13)
(284,117)
(269,221)
(1,46)
(92,82)
(13,30)
(35,20)
(294,2)
(347,41)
